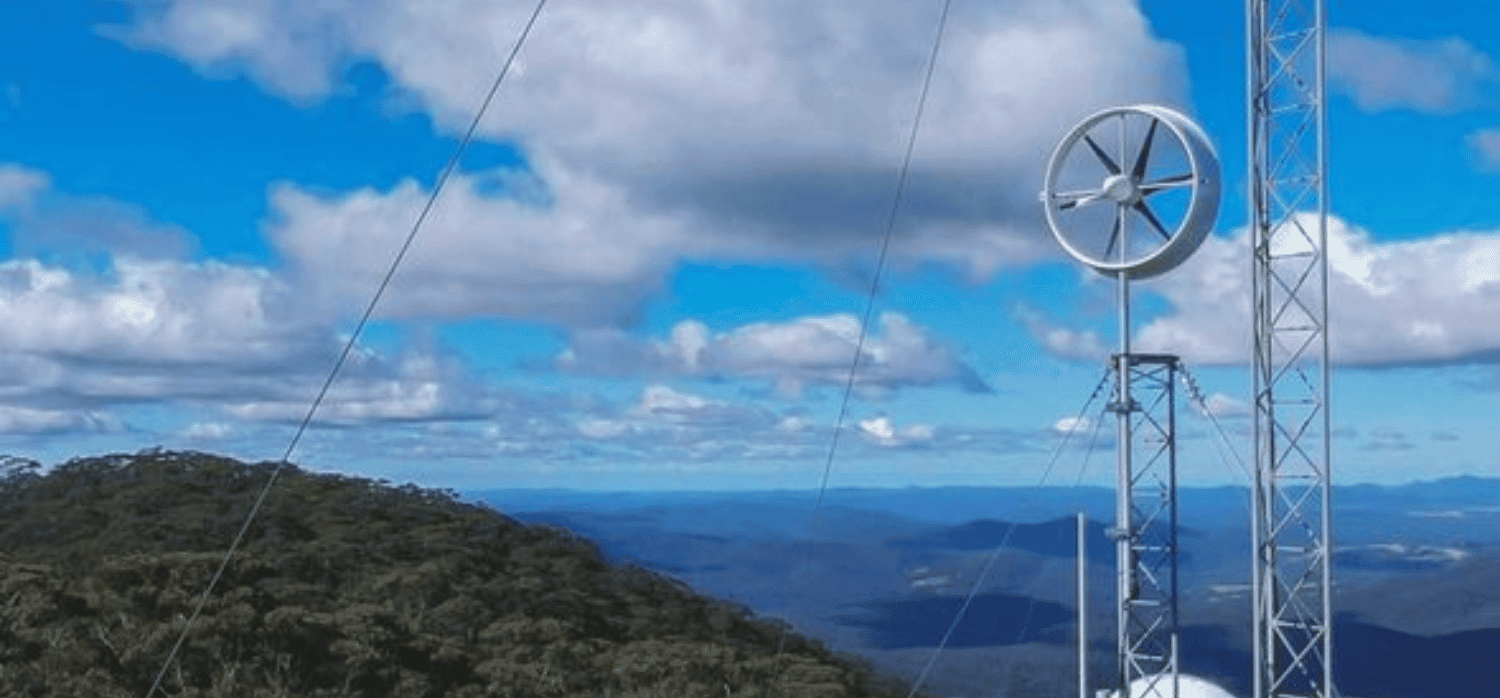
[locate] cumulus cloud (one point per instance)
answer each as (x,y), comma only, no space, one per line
(415,387)
(1429,75)
(661,407)
(148,312)
(208,431)
(132,327)
(587,259)
(1486,146)
(1073,425)
(881,431)
(665,422)
(669,424)
(1222,406)
(212,335)
(670,130)
(1062,341)
(1394,303)
(16,420)
(792,355)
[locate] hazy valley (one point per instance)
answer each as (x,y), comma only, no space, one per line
(883,572)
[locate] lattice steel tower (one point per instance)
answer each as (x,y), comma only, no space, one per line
(1290,528)
(1145,531)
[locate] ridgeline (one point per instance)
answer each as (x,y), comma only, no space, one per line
(351,587)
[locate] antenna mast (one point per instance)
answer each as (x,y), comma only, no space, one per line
(1290,527)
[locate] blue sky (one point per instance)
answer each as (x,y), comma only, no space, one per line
(649,270)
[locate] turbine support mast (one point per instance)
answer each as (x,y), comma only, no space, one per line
(1145,530)
(1291,507)
(1106,185)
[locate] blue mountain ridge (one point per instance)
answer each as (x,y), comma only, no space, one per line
(882,572)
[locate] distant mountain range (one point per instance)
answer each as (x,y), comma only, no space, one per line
(883,572)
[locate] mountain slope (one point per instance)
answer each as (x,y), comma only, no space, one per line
(348,587)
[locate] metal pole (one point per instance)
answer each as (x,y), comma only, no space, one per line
(1326,533)
(1083,605)
(1124,555)
(1253,11)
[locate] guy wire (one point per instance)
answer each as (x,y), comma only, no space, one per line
(885,246)
(359,327)
(1004,540)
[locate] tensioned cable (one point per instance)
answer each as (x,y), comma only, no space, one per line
(1004,541)
(1088,453)
(1196,395)
(885,246)
(880,259)
(359,327)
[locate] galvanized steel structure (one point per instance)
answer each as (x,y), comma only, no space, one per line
(1291,530)
(1146,522)
(1110,184)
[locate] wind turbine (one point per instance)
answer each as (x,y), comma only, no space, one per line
(1131,192)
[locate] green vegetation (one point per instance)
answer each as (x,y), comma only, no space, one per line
(350,587)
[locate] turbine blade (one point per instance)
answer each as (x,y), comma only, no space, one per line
(1141,159)
(1075,198)
(1167,183)
(1145,211)
(1109,164)
(1114,235)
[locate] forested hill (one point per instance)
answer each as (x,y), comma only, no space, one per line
(350,587)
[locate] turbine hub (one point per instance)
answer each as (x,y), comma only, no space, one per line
(1121,189)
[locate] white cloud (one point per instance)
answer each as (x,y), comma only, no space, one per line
(881,431)
(1073,425)
(670,129)
(586,260)
(77,340)
(1392,303)
(1486,146)
(416,387)
(148,311)
(208,431)
(668,423)
(1222,406)
(1432,75)
(1064,342)
(665,405)
(276,45)
(809,351)
(29,420)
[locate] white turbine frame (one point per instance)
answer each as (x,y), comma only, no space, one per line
(1130,192)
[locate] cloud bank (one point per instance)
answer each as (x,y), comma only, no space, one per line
(672,130)
(1414,302)
(810,351)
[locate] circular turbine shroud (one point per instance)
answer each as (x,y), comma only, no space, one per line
(1132,190)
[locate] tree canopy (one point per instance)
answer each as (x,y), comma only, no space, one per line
(351,587)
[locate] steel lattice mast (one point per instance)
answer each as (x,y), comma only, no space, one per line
(1145,531)
(1291,529)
